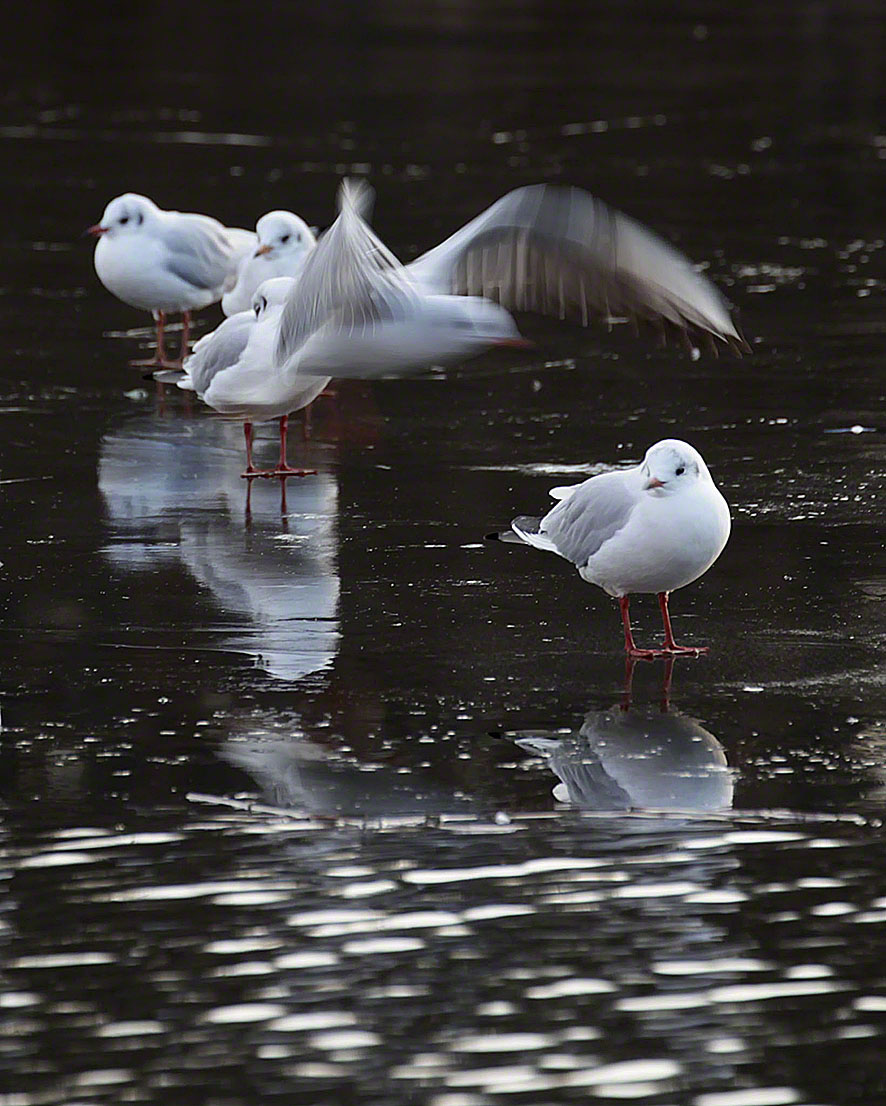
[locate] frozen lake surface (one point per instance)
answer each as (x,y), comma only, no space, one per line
(328,801)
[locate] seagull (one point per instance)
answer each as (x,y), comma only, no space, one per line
(232,370)
(652,528)
(356,311)
(359,312)
(166,261)
(283,242)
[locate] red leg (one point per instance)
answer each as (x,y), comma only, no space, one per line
(630,648)
(283,468)
(247,434)
(670,646)
(159,360)
(251,470)
(161,325)
(186,335)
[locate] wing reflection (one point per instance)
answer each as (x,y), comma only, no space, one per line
(301,775)
(173,493)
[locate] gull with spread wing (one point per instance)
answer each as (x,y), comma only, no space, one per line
(358,312)
(652,528)
(166,261)
(355,311)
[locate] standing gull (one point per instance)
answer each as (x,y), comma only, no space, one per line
(652,528)
(166,261)
(283,242)
(232,370)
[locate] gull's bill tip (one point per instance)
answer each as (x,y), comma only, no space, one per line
(262,250)
(514,343)
(96,230)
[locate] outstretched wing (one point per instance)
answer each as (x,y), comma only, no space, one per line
(562,252)
(350,277)
(200,251)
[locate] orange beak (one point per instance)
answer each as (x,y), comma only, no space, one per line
(96,231)
(261,250)
(515,343)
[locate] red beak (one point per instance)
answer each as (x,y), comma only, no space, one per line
(515,343)
(653,482)
(96,231)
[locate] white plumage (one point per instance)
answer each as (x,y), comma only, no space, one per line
(652,528)
(233,369)
(282,243)
(165,261)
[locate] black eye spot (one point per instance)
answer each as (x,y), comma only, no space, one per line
(285,237)
(124,220)
(680,470)
(141,219)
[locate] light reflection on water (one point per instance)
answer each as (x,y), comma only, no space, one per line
(319,949)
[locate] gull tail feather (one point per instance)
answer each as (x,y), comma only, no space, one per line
(166,376)
(529,531)
(564,491)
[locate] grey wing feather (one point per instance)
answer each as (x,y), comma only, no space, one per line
(219,350)
(200,251)
(562,252)
(350,278)
(595,512)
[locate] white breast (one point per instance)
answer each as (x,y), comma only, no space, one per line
(133,268)
(668,542)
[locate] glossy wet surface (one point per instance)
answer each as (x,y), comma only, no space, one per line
(326,801)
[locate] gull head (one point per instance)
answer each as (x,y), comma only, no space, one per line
(125,215)
(271,293)
(671,467)
(282,234)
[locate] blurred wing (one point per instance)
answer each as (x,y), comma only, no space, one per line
(350,277)
(595,512)
(561,252)
(200,251)
(218,351)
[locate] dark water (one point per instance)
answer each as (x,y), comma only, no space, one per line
(335,804)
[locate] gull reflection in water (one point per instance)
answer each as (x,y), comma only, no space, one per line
(302,776)
(653,758)
(173,494)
